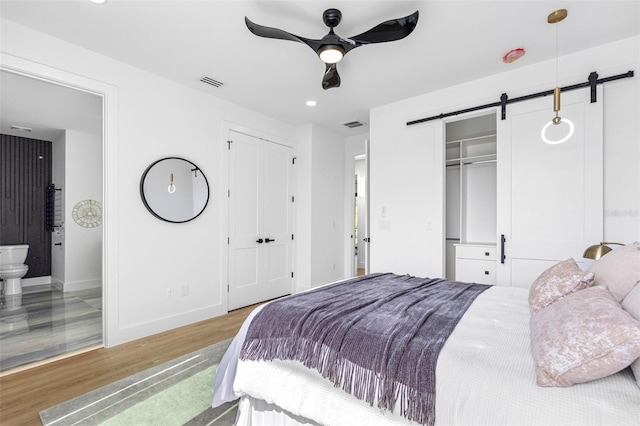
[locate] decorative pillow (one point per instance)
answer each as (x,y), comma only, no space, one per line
(556,282)
(631,304)
(585,336)
(619,270)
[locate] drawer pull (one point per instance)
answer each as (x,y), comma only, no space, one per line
(486,272)
(486,253)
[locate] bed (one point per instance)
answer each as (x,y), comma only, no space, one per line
(566,351)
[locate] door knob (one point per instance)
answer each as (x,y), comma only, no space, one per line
(259,241)
(268,240)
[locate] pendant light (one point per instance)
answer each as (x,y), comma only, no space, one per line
(554,18)
(172,187)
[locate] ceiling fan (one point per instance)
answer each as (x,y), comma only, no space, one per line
(331,48)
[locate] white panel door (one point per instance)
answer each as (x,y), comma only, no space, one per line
(277,221)
(550,197)
(260,223)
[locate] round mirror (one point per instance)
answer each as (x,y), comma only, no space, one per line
(174,189)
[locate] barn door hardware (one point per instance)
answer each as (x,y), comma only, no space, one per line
(591,82)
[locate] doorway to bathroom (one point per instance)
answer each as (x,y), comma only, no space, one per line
(59,310)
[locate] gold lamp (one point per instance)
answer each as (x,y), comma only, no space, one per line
(598,250)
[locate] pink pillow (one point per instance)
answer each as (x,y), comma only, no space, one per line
(583,337)
(556,282)
(619,270)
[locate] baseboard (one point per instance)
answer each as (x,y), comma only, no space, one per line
(137,331)
(30,282)
(79,285)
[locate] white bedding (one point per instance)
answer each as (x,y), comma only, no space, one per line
(485,376)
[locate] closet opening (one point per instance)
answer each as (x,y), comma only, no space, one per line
(470,199)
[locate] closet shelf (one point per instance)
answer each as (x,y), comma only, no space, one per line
(485,138)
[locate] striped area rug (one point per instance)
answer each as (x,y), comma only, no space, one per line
(174,393)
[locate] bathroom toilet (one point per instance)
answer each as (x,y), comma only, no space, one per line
(12,267)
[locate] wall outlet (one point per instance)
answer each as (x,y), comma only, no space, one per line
(333,266)
(170,293)
(185,290)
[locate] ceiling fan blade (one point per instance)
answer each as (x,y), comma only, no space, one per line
(269,32)
(331,77)
(392,30)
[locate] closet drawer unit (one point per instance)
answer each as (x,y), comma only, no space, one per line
(479,252)
(476,271)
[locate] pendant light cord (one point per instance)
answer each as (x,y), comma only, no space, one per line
(556,25)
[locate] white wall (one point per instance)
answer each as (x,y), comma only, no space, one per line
(303,171)
(356,143)
(319,194)
(83,181)
(406,161)
(147,118)
(327,213)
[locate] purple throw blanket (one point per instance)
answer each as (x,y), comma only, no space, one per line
(377,337)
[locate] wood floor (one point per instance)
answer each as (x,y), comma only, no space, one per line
(25,393)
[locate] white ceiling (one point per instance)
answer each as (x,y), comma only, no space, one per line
(48,109)
(454,42)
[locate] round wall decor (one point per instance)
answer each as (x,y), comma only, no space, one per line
(87,213)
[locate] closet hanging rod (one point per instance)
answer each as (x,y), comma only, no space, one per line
(466,163)
(592,82)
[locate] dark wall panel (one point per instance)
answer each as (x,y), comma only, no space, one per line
(25,173)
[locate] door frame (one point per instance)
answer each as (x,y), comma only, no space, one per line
(460,117)
(110,190)
(349,199)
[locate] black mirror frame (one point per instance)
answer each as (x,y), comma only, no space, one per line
(144,200)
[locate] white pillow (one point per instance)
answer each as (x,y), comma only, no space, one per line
(631,304)
(619,270)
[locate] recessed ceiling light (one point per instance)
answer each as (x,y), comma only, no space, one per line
(312,103)
(98,1)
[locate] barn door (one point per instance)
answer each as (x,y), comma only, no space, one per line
(260,220)
(550,197)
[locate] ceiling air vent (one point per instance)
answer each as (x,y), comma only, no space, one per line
(211,81)
(353,124)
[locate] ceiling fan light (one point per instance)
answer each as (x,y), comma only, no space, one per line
(331,53)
